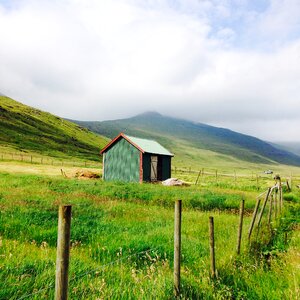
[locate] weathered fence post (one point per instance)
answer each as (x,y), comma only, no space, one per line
(177,247)
(275,204)
(63,252)
(288,185)
(253,218)
(257,183)
(198,177)
(270,210)
(212,247)
(239,238)
(234,177)
(263,207)
(281,197)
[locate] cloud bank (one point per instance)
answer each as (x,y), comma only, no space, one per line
(229,63)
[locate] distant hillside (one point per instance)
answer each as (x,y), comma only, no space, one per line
(185,138)
(29,129)
(293,147)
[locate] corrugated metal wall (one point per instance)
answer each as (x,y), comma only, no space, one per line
(122,162)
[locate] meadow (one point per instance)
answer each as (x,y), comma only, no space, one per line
(122,239)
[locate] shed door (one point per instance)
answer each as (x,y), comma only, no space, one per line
(154,161)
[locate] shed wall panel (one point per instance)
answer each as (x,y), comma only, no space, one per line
(122,163)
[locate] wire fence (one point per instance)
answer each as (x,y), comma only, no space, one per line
(145,254)
(48,160)
(89,272)
(235,174)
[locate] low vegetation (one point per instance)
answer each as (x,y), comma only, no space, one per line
(30,130)
(122,241)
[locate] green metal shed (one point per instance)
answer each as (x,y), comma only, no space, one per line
(133,159)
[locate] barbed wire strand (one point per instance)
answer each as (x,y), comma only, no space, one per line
(88,272)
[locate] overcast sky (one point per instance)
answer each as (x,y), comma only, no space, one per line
(230,63)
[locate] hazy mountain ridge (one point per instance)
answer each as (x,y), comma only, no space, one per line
(170,131)
(293,147)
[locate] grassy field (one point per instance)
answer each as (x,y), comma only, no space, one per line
(30,130)
(122,239)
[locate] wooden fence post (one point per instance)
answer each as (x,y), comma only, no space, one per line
(177,247)
(270,210)
(253,218)
(275,204)
(281,198)
(212,247)
(239,238)
(63,252)
(288,185)
(257,185)
(198,177)
(263,207)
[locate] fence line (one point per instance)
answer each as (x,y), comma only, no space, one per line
(100,268)
(216,174)
(47,160)
(64,244)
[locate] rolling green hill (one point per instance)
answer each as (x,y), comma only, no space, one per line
(195,142)
(28,129)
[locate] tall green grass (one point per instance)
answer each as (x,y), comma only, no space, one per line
(122,242)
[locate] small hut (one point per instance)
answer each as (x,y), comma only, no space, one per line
(133,159)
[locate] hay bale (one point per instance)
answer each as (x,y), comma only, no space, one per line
(86,175)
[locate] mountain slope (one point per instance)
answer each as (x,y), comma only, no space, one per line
(293,147)
(177,133)
(28,129)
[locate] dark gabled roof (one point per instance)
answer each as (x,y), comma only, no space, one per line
(144,145)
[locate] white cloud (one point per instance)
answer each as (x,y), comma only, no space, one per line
(111,59)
